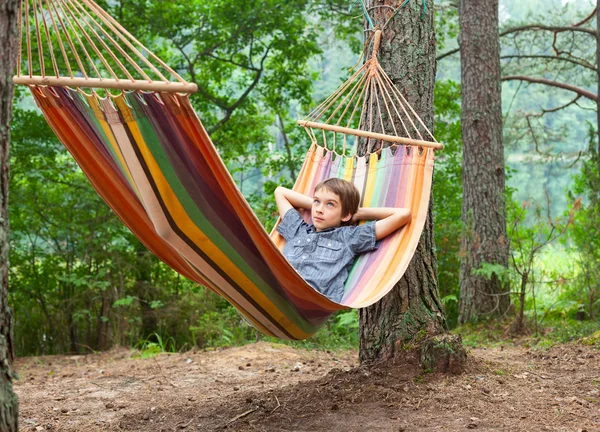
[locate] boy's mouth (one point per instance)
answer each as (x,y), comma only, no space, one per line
(318,219)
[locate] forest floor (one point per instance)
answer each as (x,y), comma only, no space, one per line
(273,387)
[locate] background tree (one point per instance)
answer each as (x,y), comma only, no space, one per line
(411,316)
(483,208)
(8,55)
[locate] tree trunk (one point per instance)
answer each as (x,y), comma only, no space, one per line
(402,323)
(146,293)
(103,341)
(9,405)
(72,325)
(484,204)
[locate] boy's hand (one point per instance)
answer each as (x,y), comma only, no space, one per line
(356,217)
(286,199)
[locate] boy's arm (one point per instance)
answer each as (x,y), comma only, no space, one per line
(287,199)
(389,219)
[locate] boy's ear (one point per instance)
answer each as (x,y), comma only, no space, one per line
(347,217)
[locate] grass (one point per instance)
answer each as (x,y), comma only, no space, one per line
(553,332)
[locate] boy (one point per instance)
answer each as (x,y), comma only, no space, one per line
(323,253)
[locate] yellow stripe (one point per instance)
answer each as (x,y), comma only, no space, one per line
(348,169)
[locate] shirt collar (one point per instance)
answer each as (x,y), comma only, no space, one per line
(312,229)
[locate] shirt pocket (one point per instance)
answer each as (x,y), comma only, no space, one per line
(328,250)
(298,247)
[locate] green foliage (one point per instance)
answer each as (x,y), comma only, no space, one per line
(446,24)
(340,332)
(447,194)
(584,232)
(527,242)
(124,301)
(149,348)
(347,320)
(543,131)
(488,271)
(223,327)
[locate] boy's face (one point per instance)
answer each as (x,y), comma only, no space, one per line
(327,210)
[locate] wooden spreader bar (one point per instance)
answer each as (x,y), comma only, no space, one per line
(107,83)
(367,134)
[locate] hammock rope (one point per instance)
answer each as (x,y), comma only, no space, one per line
(376,94)
(116,59)
(149,157)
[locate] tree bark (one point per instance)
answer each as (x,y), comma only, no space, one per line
(9,405)
(103,340)
(484,205)
(146,293)
(401,323)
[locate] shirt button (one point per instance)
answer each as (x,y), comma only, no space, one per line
(303,256)
(307,239)
(328,244)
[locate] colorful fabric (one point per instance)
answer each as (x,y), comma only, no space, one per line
(151,160)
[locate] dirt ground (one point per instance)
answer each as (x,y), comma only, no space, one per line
(272,387)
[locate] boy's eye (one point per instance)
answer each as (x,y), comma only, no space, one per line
(330,204)
(316,201)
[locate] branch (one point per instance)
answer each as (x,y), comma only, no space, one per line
(242,97)
(288,147)
(558,108)
(586,19)
(543,112)
(570,60)
(555,29)
(217,45)
(447,54)
(243,66)
(586,94)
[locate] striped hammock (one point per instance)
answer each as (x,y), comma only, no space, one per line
(151,160)
(149,157)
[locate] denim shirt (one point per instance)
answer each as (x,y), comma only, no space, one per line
(324,258)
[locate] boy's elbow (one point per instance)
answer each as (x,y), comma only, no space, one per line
(405,216)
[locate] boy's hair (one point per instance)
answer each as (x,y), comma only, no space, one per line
(348,193)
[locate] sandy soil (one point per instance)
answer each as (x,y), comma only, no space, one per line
(271,387)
